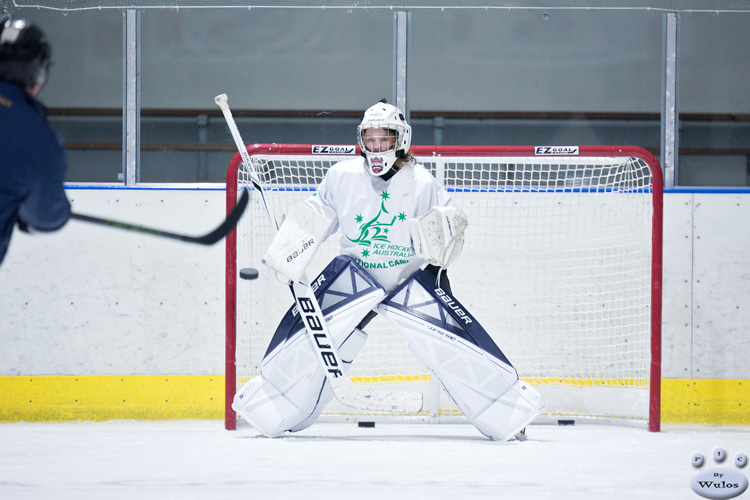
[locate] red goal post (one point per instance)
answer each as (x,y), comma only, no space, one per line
(565,242)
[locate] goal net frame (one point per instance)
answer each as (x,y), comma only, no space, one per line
(648,388)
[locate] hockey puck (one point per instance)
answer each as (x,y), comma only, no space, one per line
(249,273)
(365,424)
(566,422)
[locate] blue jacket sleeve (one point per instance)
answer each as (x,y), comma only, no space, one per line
(45,206)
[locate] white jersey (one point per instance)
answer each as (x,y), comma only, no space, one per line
(372,215)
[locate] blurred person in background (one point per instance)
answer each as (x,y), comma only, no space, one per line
(32,163)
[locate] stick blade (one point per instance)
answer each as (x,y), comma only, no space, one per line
(226,227)
(207,239)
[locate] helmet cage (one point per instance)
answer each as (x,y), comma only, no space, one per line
(387,117)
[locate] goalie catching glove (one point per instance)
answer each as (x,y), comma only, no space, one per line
(295,244)
(438,235)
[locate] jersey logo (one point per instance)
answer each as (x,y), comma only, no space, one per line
(373,237)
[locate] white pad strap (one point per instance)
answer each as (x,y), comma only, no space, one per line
(295,244)
(438,235)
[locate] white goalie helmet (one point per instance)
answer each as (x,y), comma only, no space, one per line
(388,140)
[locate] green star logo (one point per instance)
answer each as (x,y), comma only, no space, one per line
(365,253)
(376,229)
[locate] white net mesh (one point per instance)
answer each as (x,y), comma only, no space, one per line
(556,267)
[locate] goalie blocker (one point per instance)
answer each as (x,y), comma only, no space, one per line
(292,390)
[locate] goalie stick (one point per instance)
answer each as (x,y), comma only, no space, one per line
(207,239)
(309,309)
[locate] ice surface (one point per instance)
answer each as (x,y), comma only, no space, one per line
(200,460)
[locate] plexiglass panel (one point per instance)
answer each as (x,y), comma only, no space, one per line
(479,73)
(714,99)
(308,64)
(84,91)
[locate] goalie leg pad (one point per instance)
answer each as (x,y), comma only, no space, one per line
(293,388)
(472,369)
(516,408)
(296,402)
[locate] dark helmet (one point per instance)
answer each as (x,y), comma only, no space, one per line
(24,53)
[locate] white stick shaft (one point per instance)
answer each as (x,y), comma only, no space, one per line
(223,102)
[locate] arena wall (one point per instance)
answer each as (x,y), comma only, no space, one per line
(100,323)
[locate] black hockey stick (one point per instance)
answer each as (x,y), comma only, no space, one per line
(207,239)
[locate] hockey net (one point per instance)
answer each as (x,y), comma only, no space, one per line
(561,265)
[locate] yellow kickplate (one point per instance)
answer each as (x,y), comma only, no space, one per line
(709,401)
(148,397)
(168,397)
